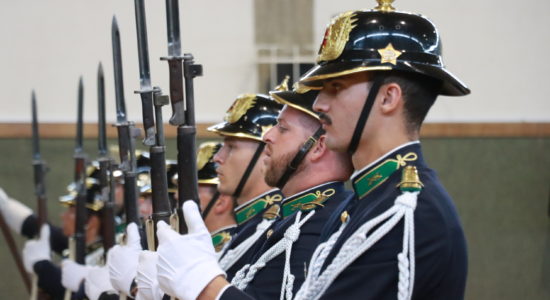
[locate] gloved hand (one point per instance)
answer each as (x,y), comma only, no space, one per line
(14,212)
(147,282)
(72,274)
(123,260)
(37,250)
(97,282)
(186,263)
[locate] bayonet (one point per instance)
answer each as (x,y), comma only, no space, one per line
(79,121)
(39,168)
(183,115)
(126,134)
(146,91)
(175,59)
(159,183)
(102,134)
(117,66)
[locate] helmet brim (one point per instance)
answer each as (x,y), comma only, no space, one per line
(315,77)
(293,100)
(230,130)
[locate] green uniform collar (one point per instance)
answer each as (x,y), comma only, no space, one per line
(257,205)
(368,179)
(309,199)
(221,237)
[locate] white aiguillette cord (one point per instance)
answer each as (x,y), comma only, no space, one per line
(315,284)
(247,273)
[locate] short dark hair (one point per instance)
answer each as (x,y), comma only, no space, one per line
(419,94)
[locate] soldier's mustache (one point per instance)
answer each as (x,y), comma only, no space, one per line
(325,118)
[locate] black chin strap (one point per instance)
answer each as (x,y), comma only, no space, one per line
(362,121)
(247,172)
(210,205)
(308,144)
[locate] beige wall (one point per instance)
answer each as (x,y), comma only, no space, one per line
(498,47)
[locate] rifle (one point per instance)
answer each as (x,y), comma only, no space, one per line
(183,116)
(80,180)
(106,182)
(159,181)
(39,170)
(127,132)
(77,243)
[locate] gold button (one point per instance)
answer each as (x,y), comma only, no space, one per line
(269,233)
(344,216)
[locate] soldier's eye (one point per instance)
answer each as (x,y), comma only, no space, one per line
(281,128)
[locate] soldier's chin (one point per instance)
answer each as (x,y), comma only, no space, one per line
(224,189)
(334,142)
(271,178)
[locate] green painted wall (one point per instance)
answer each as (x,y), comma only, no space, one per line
(501,188)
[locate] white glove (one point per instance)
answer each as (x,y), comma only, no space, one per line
(123,260)
(97,282)
(186,263)
(72,274)
(147,283)
(37,250)
(14,212)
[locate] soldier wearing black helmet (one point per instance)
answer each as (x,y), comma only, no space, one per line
(241,173)
(378,72)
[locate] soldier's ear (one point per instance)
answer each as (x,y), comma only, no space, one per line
(318,150)
(223,204)
(390,98)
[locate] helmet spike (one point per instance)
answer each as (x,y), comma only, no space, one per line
(283,86)
(385,5)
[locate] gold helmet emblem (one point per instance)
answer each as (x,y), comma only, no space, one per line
(336,36)
(243,103)
(206,151)
(389,54)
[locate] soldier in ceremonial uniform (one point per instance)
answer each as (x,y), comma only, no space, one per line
(241,173)
(379,71)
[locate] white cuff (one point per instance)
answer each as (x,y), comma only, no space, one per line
(220,294)
(15,214)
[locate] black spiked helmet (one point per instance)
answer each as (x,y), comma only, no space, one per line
(250,116)
(382,39)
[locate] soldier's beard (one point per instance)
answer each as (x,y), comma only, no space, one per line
(277,167)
